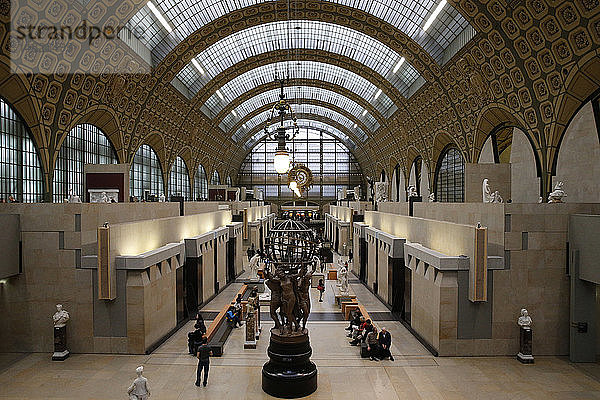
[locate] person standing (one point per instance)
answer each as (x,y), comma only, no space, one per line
(321,289)
(204,353)
(385,342)
(139,389)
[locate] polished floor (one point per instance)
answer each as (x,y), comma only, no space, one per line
(415,373)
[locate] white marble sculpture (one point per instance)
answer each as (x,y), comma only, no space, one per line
(524,319)
(73,198)
(104,198)
(540,200)
(317,261)
(161,198)
(254,266)
(412,191)
(381,191)
(431,197)
(139,389)
(496,198)
(487,193)
(557,194)
(357,193)
(343,277)
(60,317)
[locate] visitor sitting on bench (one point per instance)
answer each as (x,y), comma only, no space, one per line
(365,328)
(373,345)
(356,329)
(354,323)
(385,342)
(232,318)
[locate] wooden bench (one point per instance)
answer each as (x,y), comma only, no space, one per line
(348,307)
(218,331)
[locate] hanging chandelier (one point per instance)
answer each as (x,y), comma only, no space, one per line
(281,160)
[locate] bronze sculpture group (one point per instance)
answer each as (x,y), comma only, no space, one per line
(289,295)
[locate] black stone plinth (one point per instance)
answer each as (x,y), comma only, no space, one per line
(60,344)
(525,354)
(289,373)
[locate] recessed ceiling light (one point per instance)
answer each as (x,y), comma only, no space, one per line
(355,126)
(220,94)
(198,66)
(433,16)
(364,113)
(377,94)
(397,67)
(160,17)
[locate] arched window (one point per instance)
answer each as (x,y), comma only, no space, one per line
(228,180)
(85,144)
(179,182)
(333,165)
(450,177)
(216,179)
(145,175)
(20,171)
(201,184)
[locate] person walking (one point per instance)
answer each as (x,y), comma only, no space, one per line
(321,289)
(204,353)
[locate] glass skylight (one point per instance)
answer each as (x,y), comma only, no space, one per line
(187,16)
(303,70)
(307,123)
(270,37)
(301,110)
(296,92)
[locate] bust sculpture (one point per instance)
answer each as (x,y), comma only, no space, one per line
(412,191)
(139,389)
(60,317)
(557,194)
(431,197)
(487,194)
(524,319)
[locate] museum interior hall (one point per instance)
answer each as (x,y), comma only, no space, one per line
(317,199)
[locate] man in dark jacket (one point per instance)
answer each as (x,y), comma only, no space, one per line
(204,353)
(385,342)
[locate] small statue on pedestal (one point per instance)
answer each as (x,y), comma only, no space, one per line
(161,198)
(525,338)
(557,194)
(412,191)
(487,193)
(431,197)
(139,389)
(250,342)
(60,319)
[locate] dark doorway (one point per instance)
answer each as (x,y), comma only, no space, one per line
(362,275)
(397,287)
(337,240)
(260,239)
(231,259)
(216,265)
(180,295)
(191,283)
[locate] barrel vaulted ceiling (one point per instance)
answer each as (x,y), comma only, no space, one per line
(367,71)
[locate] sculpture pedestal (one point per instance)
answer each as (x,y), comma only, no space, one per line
(289,374)
(525,355)
(60,344)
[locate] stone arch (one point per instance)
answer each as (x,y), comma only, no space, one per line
(330,106)
(317,10)
(105,119)
(581,85)
(303,82)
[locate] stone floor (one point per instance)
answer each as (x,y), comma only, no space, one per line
(415,373)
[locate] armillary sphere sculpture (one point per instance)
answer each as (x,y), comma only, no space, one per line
(290,248)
